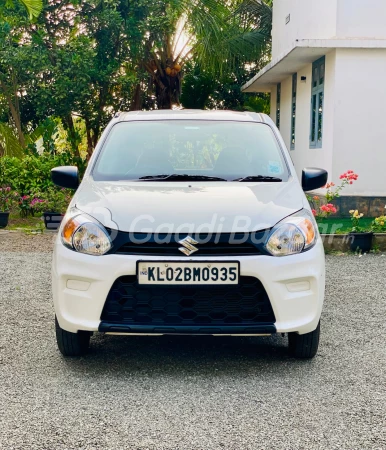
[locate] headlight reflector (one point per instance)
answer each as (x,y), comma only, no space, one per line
(84,234)
(292,235)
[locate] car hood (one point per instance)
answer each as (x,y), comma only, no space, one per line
(174,207)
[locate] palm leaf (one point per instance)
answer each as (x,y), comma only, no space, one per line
(223,40)
(33,7)
(9,142)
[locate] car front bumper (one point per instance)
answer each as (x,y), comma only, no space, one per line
(294,284)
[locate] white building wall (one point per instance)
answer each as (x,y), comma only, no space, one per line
(273,105)
(309,19)
(303,155)
(285,111)
(361,19)
(360,119)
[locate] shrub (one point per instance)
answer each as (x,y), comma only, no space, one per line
(32,174)
(55,200)
(379,225)
(7,198)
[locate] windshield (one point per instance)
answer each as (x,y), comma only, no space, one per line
(219,150)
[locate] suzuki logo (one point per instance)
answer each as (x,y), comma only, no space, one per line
(188,246)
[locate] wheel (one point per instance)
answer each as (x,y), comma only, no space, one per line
(72,344)
(304,345)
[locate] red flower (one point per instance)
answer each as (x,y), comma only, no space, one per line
(314,212)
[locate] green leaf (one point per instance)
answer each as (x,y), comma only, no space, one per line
(33,7)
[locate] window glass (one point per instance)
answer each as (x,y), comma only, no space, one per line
(320,116)
(293,111)
(278,99)
(213,148)
(317,103)
(313,118)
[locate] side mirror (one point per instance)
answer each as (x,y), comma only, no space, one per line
(65,176)
(313,178)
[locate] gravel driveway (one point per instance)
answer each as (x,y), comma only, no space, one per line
(191,392)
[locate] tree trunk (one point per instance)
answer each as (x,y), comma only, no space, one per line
(72,134)
(90,143)
(14,112)
(136,101)
(167,90)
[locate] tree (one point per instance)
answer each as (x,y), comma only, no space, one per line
(215,34)
(82,61)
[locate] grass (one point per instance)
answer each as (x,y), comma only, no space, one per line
(26,224)
(339,225)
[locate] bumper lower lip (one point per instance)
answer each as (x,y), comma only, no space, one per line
(261,329)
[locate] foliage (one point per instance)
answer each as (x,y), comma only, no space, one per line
(346,178)
(78,63)
(32,174)
(355,220)
(33,7)
(202,90)
(322,210)
(28,205)
(379,225)
(7,198)
(55,200)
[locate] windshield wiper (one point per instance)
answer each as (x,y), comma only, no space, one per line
(259,178)
(180,177)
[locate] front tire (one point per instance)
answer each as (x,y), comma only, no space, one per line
(304,346)
(72,344)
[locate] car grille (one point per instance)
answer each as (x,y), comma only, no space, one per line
(226,244)
(245,304)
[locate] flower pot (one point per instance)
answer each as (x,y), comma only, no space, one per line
(4,216)
(52,220)
(361,241)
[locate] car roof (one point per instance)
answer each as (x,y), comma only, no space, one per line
(190,114)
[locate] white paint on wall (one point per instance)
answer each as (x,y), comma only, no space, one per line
(326,19)
(285,112)
(303,155)
(310,19)
(360,116)
(361,19)
(354,131)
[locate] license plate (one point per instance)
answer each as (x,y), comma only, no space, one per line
(188,273)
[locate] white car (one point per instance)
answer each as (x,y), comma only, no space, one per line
(193,223)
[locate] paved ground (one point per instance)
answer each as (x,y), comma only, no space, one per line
(191,393)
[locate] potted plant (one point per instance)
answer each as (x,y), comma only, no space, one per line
(379,225)
(361,239)
(55,205)
(6,200)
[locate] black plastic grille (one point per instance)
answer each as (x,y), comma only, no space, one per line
(204,249)
(168,245)
(245,304)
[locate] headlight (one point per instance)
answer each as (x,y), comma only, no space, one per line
(84,234)
(292,235)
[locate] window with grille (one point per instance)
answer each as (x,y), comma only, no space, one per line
(317,103)
(293,109)
(278,95)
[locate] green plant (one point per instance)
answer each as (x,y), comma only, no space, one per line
(379,225)
(321,210)
(29,206)
(7,198)
(356,216)
(56,200)
(32,174)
